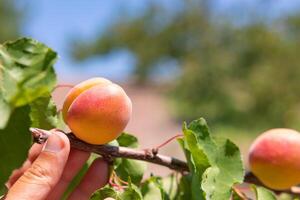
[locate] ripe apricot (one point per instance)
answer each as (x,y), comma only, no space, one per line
(97,110)
(274,158)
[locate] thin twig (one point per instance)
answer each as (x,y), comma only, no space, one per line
(155,149)
(63,86)
(240,194)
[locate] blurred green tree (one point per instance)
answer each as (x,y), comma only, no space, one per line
(239,75)
(9,20)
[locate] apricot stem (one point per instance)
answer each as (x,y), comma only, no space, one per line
(113,183)
(240,194)
(118,179)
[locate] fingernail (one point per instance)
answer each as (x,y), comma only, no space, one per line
(54,143)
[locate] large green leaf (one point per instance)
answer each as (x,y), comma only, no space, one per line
(26,73)
(227,170)
(15,141)
(127,167)
(217,162)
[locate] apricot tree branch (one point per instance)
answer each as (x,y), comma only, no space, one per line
(108,152)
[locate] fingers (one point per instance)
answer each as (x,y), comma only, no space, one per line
(32,155)
(44,173)
(75,162)
(96,177)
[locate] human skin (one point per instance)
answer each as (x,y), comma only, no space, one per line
(274,158)
(50,168)
(97,111)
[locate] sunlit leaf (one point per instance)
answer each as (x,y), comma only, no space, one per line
(217,162)
(43,113)
(26,73)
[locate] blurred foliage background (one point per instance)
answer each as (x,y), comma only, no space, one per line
(245,75)
(236,73)
(9,20)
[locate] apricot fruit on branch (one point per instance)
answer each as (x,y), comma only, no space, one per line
(274,158)
(97,110)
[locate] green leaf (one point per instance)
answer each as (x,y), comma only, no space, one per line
(5,110)
(217,162)
(187,153)
(150,191)
(26,73)
(227,171)
(15,141)
(128,140)
(185,191)
(3,191)
(127,167)
(152,188)
(131,168)
(43,113)
(132,192)
(263,193)
(104,193)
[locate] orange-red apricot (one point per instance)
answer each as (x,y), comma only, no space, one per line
(97,110)
(274,158)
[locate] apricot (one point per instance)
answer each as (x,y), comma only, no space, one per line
(97,110)
(274,158)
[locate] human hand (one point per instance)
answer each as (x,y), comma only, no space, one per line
(50,168)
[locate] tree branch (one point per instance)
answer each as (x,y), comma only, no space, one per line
(108,152)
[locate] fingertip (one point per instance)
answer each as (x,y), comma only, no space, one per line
(45,171)
(63,138)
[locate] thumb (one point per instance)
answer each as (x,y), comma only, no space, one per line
(37,182)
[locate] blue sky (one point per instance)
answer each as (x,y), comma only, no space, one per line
(55,22)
